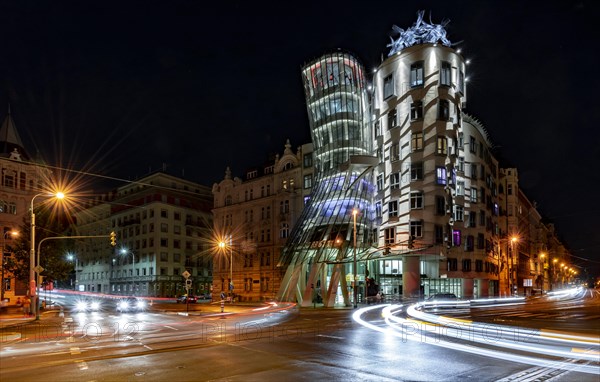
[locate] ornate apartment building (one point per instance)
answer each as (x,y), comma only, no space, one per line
(161,224)
(21,179)
(253,218)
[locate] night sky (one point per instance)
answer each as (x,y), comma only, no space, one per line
(121,88)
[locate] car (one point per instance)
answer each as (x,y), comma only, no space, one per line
(131,304)
(443,297)
(87,305)
(184,299)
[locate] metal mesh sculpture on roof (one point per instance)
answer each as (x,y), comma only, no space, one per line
(420,33)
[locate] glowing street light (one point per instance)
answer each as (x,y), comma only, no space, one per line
(223,246)
(513,239)
(72,257)
(32,265)
(124,251)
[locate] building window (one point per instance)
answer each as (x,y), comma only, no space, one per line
(480,241)
(416,110)
(284,232)
(469,243)
(444,110)
(393,208)
(472,144)
(452,264)
(395,180)
(466,265)
(460,188)
(461,82)
(459,213)
(379,182)
(308,181)
(416,200)
(456,238)
(392,120)
(416,74)
(390,235)
(416,141)
(377,128)
(378,209)
(440,205)
(472,219)
(416,228)
(164,214)
(482,218)
(307,160)
(416,171)
(440,175)
(479,265)
(388,86)
(284,207)
(446,74)
(439,234)
(441,147)
(395,152)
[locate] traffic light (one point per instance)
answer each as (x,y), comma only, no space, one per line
(113,238)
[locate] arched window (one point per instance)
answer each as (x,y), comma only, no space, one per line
(284,232)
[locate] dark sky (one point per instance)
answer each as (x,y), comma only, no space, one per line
(120,87)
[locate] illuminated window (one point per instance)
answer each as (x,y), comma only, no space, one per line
(416,74)
(440,175)
(456,238)
(441,146)
(378,209)
(416,141)
(460,188)
(459,213)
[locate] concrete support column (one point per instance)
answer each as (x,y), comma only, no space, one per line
(411,276)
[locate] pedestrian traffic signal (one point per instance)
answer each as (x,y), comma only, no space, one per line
(113,238)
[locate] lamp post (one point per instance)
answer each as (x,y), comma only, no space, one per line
(72,257)
(124,251)
(13,234)
(222,245)
(512,280)
(32,264)
(355,286)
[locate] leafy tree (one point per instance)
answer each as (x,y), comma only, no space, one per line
(52,252)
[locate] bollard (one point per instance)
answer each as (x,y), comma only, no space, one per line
(222,305)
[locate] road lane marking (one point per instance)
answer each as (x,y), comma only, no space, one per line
(170,327)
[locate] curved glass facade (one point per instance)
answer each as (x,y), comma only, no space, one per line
(337,106)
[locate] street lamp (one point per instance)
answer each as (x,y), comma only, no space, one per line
(13,234)
(354,213)
(32,265)
(223,245)
(124,251)
(512,280)
(72,257)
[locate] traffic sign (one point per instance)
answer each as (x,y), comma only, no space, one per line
(38,269)
(186,274)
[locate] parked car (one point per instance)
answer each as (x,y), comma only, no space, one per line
(443,297)
(184,299)
(131,304)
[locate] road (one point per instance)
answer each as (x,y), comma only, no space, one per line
(282,343)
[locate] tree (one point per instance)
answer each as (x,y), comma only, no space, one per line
(52,259)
